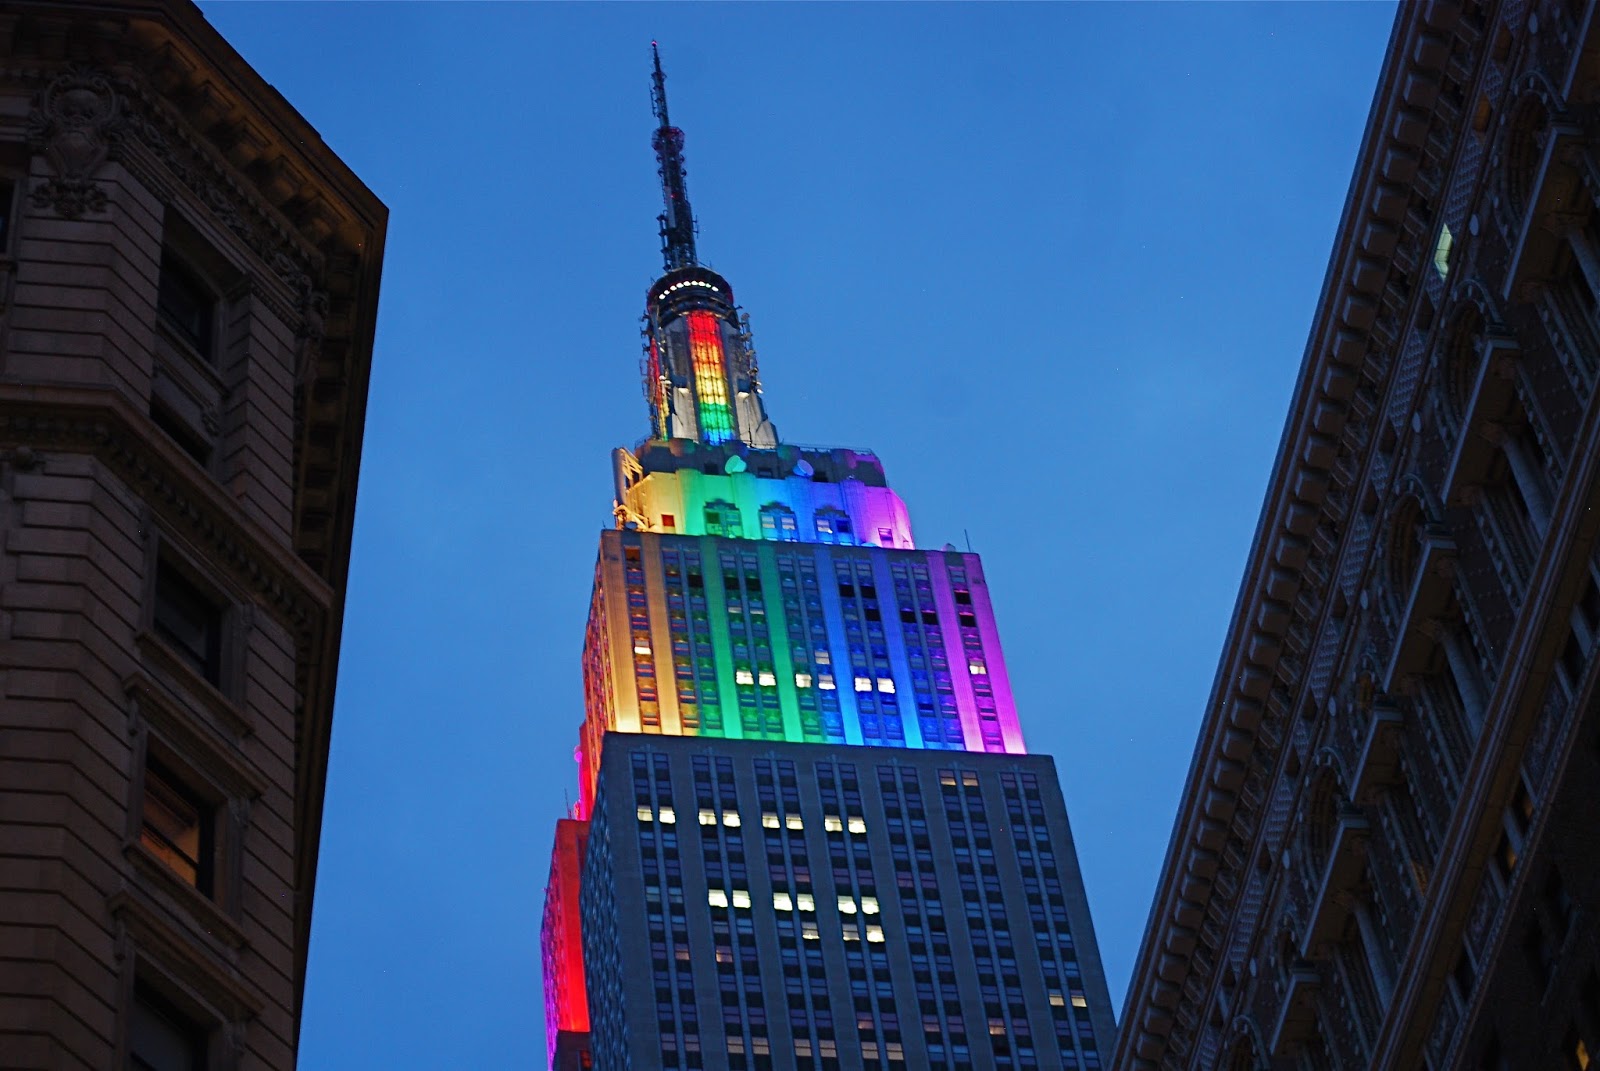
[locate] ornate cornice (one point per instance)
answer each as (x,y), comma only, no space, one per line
(100,422)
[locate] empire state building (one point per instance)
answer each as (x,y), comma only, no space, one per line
(809,835)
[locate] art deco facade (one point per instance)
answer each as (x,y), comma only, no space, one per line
(1385,852)
(188,284)
(792,905)
(763,616)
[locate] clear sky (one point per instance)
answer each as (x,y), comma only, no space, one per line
(1055,264)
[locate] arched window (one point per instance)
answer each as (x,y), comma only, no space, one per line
(1460,358)
(1242,1056)
(722,519)
(1522,149)
(777,522)
(1321,823)
(833,526)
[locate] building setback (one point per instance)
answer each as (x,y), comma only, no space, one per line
(1384,854)
(826,727)
(188,285)
(835,907)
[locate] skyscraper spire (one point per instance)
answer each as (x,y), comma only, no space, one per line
(677,219)
(699,370)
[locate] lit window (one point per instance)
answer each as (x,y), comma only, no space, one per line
(668,816)
(645,814)
(827,1048)
(641,649)
(896,1051)
(1056,999)
(863,684)
(741,898)
(832,823)
(858,825)
(731,819)
(1441,251)
(850,932)
(782,901)
(997,1028)
(977,668)
(875,934)
(177,827)
(802,680)
(869,905)
(1078,1001)
(886,684)
(869,1050)
(793,822)
(769,820)
(825,682)
(808,930)
(847,905)
(767,680)
(708,818)
(743,676)
(823,658)
(717,897)
(805,901)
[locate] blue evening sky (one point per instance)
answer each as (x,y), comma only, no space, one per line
(1055,264)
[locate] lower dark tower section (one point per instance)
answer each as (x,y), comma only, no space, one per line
(750,906)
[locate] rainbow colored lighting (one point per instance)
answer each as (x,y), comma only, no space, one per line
(797,509)
(803,642)
(710,376)
(561,940)
(755,589)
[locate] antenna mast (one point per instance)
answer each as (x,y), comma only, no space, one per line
(677,220)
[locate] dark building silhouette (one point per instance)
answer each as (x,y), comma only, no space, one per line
(819,868)
(799,905)
(1384,855)
(188,285)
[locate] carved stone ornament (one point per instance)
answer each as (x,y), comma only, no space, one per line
(75,124)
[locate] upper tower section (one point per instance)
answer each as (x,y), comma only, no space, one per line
(712,463)
(700,371)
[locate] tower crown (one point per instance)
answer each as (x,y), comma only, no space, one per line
(700,376)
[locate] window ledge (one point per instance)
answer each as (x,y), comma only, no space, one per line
(1298,1015)
(236,775)
(205,912)
(156,651)
(197,964)
(192,357)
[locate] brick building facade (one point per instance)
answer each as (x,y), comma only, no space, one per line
(1383,856)
(188,287)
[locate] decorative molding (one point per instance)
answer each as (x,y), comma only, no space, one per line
(99,422)
(76,123)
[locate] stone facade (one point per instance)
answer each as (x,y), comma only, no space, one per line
(1383,856)
(188,287)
